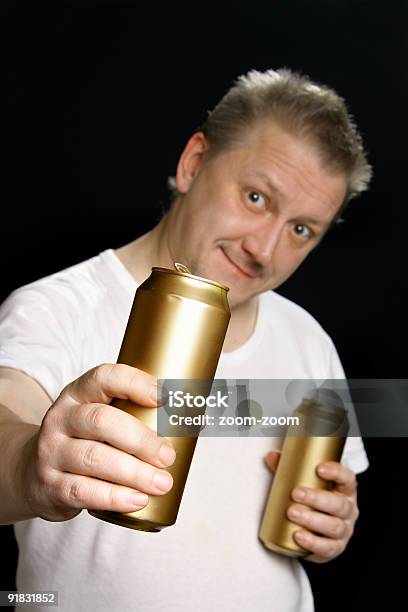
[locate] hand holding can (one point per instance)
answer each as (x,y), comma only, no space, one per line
(89,454)
(176,330)
(320,437)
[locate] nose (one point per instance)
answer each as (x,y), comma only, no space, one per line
(262,242)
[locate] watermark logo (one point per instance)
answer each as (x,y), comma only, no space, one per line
(180,399)
(265,407)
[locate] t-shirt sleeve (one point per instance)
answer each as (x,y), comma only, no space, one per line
(354,454)
(38,335)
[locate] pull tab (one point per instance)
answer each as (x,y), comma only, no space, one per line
(181,268)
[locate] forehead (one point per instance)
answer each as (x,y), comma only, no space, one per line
(290,164)
(267,140)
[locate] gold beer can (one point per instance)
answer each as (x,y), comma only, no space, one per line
(176,330)
(319,437)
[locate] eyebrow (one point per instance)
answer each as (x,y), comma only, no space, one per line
(266,179)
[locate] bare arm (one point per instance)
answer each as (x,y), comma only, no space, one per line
(23,395)
(78,452)
(23,404)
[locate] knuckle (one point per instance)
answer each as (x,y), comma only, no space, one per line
(43,474)
(137,472)
(91,456)
(350,507)
(42,447)
(135,378)
(312,497)
(107,498)
(132,471)
(76,493)
(98,418)
(50,420)
(345,506)
(42,460)
(110,496)
(332,550)
(100,372)
(74,417)
(337,529)
(136,381)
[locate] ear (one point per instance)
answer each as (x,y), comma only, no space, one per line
(191,161)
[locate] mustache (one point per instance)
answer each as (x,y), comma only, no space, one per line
(247,265)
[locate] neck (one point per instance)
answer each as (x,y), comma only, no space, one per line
(145,252)
(152,249)
(242,325)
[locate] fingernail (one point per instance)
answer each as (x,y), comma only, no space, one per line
(154,393)
(295,513)
(162,481)
(138,499)
(167,454)
(299,494)
(322,469)
(158,394)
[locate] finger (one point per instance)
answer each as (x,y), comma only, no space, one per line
(322,524)
(75,491)
(325,548)
(107,381)
(272,460)
(99,460)
(326,501)
(342,475)
(121,430)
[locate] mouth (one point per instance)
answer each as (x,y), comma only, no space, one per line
(236,267)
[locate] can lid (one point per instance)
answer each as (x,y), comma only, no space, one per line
(330,401)
(324,413)
(182,270)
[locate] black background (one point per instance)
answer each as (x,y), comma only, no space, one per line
(100,100)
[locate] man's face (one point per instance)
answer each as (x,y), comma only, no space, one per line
(250,216)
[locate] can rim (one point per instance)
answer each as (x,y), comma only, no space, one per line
(200,278)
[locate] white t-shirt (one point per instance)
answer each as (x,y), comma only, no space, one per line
(56,328)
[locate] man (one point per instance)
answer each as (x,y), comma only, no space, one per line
(256,189)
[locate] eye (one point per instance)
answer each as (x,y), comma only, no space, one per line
(257,199)
(302,230)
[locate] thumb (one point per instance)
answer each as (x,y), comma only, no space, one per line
(272,460)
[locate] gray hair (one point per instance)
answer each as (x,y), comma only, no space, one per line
(304,108)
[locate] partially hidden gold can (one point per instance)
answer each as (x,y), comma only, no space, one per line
(320,436)
(176,330)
